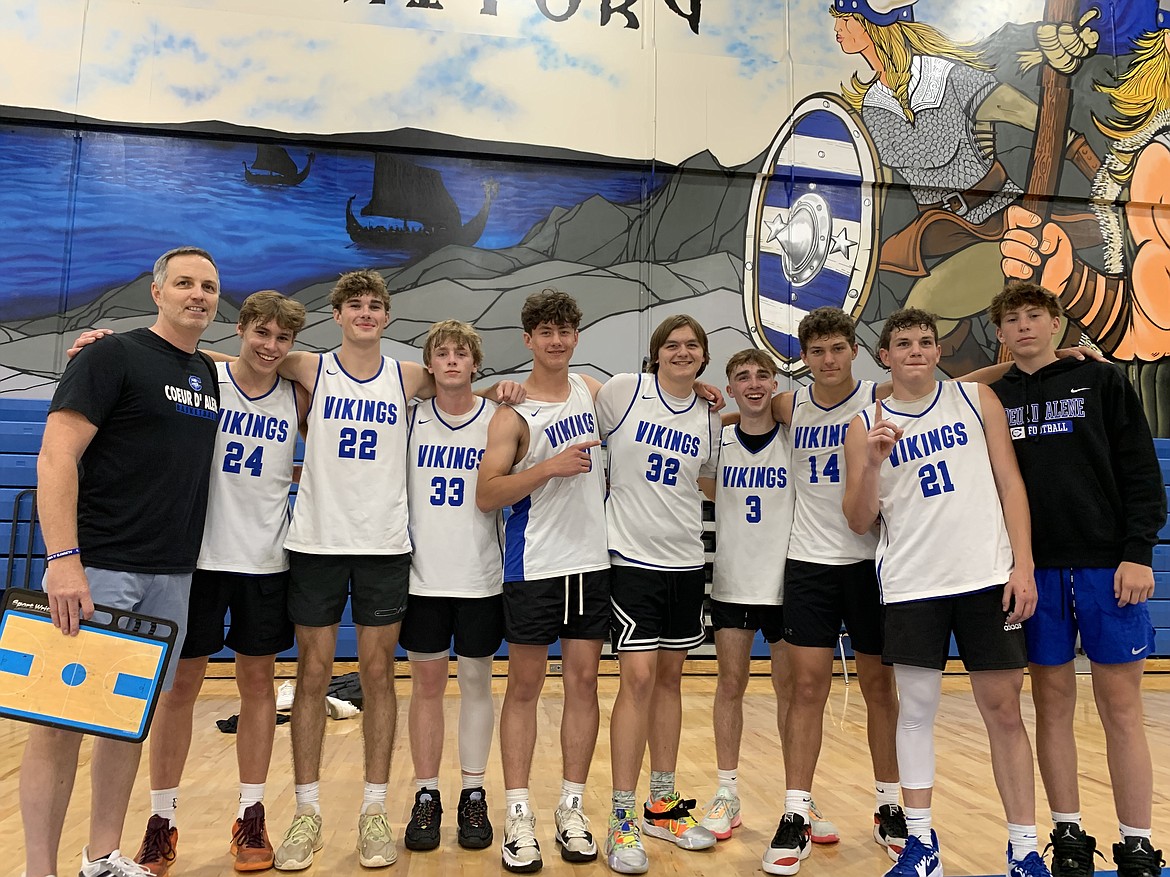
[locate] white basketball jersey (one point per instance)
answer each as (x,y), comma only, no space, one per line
(559,528)
(657,448)
(251,470)
(457,550)
(820,533)
(942,528)
(352,496)
(754,497)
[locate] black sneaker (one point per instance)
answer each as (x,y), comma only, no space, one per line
(1072,850)
(422,832)
(1136,857)
(889,829)
(475,829)
(791,843)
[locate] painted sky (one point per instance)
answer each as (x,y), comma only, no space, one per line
(325,66)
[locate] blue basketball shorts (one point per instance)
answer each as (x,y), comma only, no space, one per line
(1072,600)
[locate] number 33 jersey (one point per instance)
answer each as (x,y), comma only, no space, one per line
(352,497)
(457,551)
(247,501)
(942,527)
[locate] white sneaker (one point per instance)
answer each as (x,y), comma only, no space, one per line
(340,709)
(520,851)
(284,695)
(722,814)
(113,865)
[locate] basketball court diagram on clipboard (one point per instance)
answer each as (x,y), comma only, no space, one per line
(104,681)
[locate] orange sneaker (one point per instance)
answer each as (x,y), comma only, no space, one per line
(250,844)
(159,847)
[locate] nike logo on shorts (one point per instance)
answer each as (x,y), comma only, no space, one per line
(1138,651)
(1079,389)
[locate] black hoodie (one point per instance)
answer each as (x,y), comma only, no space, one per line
(1094,484)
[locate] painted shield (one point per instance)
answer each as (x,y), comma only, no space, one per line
(812,223)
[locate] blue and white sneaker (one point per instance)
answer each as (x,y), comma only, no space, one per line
(918,859)
(1029,866)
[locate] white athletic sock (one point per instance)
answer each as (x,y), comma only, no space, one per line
(799,802)
(918,823)
(1022,840)
(374,793)
(516,800)
(431,783)
(164,803)
(473,779)
(729,779)
(885,792)
(1130,831)
(572,794)
(308,795)
(250,793)
(1074,818)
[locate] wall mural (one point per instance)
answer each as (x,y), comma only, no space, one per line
(892,153)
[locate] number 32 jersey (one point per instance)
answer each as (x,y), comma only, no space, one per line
(352,496)
(942,527)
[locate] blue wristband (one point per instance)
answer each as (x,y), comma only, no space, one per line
(59,554)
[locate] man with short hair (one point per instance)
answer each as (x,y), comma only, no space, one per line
(122,488)
(1095,490)
(556,572)
(830,582)
(349,540)
(936,458)
(456,585)
(661,440)
(242,570)
(753,518)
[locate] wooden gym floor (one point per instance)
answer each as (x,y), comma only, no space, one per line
(967,810)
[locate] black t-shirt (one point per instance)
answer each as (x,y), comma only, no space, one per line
(142,491)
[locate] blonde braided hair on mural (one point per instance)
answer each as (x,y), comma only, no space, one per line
(1141,95)
(896,45)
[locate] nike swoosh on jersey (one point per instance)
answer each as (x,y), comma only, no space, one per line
(1138,651)
(1079,389)
(647,397)
(328,372)
(421,422)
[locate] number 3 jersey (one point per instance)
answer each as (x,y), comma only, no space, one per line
(942,527)
(352,496)
(457,551)
(820,533)
(251,470)
(658,446)
(753,517)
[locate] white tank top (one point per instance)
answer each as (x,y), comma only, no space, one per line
(658,446)
(559,528)
(352,496)
(942,529)
(753,516)
(251,470)
(820,533)
(457,548)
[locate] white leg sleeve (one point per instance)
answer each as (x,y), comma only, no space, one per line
(477,716)
(919,693)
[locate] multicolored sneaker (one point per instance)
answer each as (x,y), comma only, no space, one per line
(159,847)
(1136,857)
(1072,851)
(302,839)
(624,852)
(250,845)
(426,819)
(790,844)
(520,851)
(822,830)
(573,835)
(889,829)
(722,814)
(670,819)
(918,859)
(1029,866)
(475,829)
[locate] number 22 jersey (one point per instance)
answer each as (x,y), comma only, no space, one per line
(352,496)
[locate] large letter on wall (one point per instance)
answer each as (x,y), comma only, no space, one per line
(692,17)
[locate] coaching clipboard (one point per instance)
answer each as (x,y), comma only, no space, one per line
(104,681)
